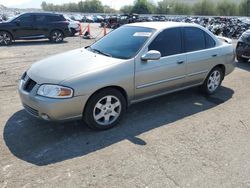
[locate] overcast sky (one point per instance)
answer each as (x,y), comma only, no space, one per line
(36,3)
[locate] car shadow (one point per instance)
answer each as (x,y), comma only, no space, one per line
(42,143)
(244,65)
(35,42)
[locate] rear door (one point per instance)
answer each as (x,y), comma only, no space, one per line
(201,54)
(24,26)
(41,25)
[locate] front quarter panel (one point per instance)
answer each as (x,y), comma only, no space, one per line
(118,74)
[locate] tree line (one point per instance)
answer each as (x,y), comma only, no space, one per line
(202,7)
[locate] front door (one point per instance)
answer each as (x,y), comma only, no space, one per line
(163,75)
(24,26)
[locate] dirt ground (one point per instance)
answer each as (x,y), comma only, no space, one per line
(178,140)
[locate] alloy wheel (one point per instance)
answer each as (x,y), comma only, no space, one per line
(107,110)
(5,38)
(214,81)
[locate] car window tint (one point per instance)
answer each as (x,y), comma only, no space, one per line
(194,39)
(56,18)
(40,18)
(167,42)
(210,43)
(26,18)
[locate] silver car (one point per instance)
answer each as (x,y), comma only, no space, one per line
(133,63)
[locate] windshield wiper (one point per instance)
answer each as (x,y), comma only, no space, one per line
(99,52)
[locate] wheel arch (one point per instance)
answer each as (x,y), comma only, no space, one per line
(8,32)
(118,88)
(57,29)
(222,67)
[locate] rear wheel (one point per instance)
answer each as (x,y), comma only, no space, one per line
(213,81)
(105,109)
(5,38)
(56,36)
(242,59)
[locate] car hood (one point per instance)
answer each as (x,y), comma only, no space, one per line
(62,67)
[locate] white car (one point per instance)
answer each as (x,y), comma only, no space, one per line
(74,26)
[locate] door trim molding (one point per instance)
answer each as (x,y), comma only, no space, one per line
(159,82)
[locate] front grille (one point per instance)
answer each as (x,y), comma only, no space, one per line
(29,85)
(32,111)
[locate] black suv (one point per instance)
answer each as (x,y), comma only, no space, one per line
(243,47)
(34,26)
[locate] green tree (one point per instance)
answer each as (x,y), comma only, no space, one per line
(93,6)
(181,9)
(164,7)
(204,7)
(244,8)
(227,8)
(126,9)
(143,7)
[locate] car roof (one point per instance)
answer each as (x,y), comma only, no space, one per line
(43,13)
(162,25)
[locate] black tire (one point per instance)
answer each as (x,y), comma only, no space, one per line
(5,38)
(242,59)
(92,110)
(207,87)
(56,36)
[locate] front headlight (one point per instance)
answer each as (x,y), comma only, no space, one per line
(55,91)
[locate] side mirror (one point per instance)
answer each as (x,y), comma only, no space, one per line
(151,55)
(17,22)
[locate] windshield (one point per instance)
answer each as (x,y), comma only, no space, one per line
(124,42)
(12,18)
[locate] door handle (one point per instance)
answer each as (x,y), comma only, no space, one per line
(215,55)
(180,62)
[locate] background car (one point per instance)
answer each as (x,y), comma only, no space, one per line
(243,47)
(74,26)
(34,26)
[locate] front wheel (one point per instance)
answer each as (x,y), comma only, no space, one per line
(56,36)
(104,109)
(5,38)
(213,81)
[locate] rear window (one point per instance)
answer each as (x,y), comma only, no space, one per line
(210,43)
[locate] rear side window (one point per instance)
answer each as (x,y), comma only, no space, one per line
(194,39)
(56,18)
(168,42)
(210,43)
(40,18)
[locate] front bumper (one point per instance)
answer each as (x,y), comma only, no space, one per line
(54,109)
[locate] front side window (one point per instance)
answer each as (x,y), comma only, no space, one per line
(124,42)
(26,19)
(168,42)
(194,39)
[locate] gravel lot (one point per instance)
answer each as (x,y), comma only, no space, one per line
(179,140)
